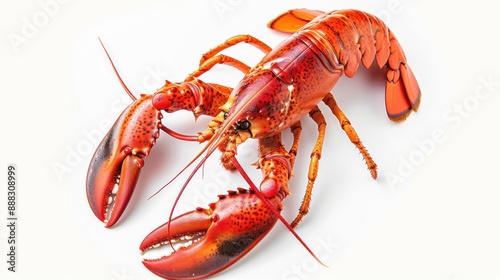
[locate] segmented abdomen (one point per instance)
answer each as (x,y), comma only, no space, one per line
(348,37)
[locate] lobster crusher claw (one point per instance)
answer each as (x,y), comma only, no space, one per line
(214,238)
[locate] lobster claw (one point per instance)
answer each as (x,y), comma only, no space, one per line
(213,239)
(115,167)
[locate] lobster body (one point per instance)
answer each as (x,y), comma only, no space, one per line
(285,86)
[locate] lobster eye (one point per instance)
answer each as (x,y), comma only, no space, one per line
(244,125)
(226,114)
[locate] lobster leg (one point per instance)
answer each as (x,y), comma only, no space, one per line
(276,165)
(296,130)
(218,59)
(318,117)
(233,41)
(345,124)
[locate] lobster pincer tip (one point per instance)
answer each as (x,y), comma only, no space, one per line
(108,194)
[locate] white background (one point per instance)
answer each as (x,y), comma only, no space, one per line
(441,221)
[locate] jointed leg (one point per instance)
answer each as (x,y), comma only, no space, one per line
(318,117)
(223,91)
(275,165)
(296,130)
(233,41)
(210,59)
(351,133)
(218,59)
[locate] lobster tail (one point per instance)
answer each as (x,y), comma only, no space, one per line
(359,38)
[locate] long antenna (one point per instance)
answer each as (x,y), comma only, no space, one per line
(274,210)
(169,131)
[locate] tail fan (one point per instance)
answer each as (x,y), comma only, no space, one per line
(293,20)
(402,94)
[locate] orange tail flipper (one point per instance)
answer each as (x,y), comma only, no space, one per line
(293,20)
(402,93)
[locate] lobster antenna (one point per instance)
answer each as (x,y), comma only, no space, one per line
(186,167)
(273,209)
(210,147)
(169,131)
(116,72)
(180,136)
